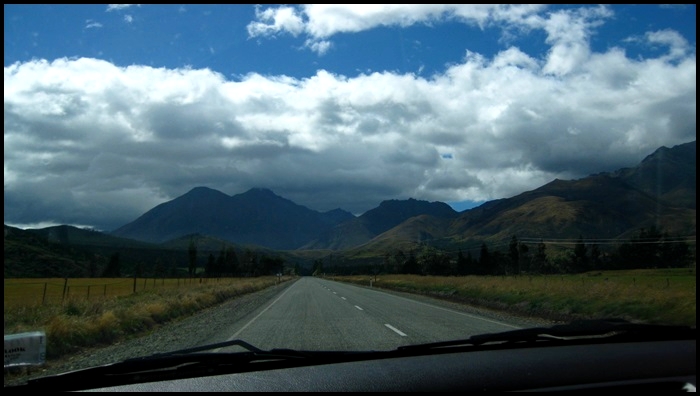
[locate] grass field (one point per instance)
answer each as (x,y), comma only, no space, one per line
(112,310)
(651,296)
(46,291)
(95,311)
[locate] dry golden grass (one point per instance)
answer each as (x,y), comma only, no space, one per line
(56,290)
(76,321)
(660,296)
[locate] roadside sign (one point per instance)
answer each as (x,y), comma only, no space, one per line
(25,349)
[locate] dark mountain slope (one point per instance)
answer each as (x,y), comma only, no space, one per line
(257,217)
(386,216)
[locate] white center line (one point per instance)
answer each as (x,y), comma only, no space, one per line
(359,308)
(399,332)
(343,298)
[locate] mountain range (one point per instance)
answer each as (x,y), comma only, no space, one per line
(660,191)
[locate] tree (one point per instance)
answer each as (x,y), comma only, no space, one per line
(674,254)
(523,257)
(539,261)
(484,261)
(211,264)
(317,267)
(411,264)
(92,266)
(580,260)
(399,260)
(249,263)
(652,249)
(113,269)
(159,269)
(596,260)
(173,270)
(462,264)
(514,255)
(220,266)
(433,262)
(231,261)
(192,255)
(270,265)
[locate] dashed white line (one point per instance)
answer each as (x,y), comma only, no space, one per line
(399,332)
(359,308)
(343,298)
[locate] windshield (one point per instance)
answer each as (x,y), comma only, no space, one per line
(341,177)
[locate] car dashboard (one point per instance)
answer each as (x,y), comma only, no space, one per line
(648,366)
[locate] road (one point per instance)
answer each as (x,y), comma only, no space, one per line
(320,314)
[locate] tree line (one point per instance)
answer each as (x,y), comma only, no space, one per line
(227,263)
(651,248)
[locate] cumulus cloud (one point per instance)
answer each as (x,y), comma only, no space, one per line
(321,21)
(99,144)
(275,20)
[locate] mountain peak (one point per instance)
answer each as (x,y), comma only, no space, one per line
(202,190)
(261,191)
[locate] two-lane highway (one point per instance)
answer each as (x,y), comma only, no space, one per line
(320,314)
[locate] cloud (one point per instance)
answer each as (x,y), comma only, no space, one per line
(318,46)
(275,20)
(678,46)
(568,31)
(322,21)
(90,24)
(119,7)
(89,142)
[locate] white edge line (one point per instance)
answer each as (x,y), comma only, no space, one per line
(235,335)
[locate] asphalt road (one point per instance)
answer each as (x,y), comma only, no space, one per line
(320,314)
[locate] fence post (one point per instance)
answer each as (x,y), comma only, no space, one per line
(104,294)
(65,287)
(43,298)
(134,284)
(88,293)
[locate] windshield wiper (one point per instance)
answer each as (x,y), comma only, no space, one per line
(196,362)
(603,330)
(188,363)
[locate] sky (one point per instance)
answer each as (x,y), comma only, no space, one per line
(111,110)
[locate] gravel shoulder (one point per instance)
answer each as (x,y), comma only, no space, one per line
(213,325)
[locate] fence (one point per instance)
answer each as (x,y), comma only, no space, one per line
(57,290)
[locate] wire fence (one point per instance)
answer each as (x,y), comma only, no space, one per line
(57,290)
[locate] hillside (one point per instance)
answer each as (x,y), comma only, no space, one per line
(257,217)
(659,192)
